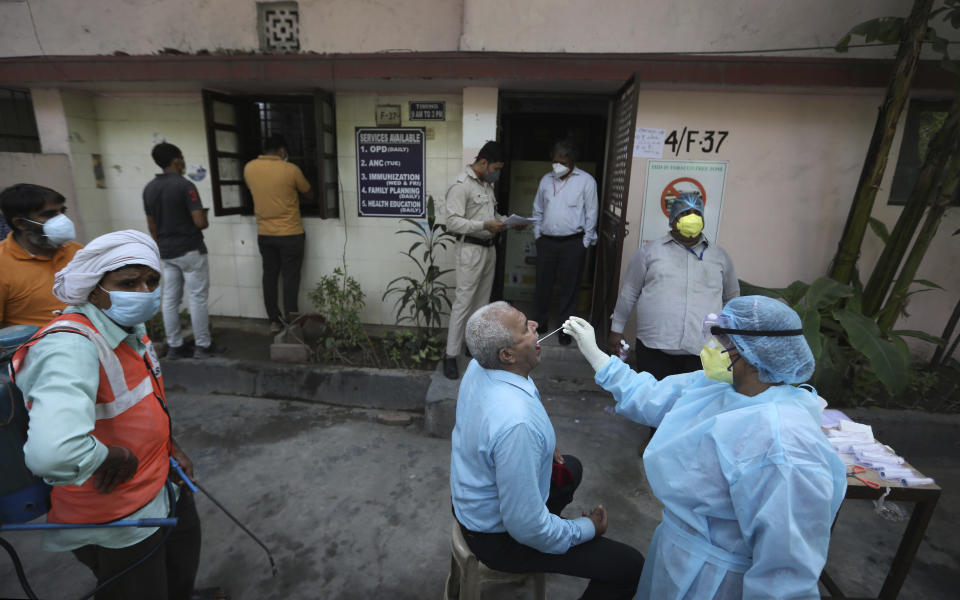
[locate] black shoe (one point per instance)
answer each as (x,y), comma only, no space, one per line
(202,352)
(564,339)
(450,368)
(175,352)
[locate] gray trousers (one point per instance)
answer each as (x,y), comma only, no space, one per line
(475,266)
(190,273)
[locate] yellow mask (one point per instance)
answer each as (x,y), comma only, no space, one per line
(716,362)
(690,226)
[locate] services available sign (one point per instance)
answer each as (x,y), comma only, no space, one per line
(390,172)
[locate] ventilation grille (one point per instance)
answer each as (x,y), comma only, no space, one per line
(279,26)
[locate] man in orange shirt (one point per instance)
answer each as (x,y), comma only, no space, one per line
(276,186)
(39,245)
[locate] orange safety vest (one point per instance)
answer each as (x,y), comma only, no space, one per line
(130,412)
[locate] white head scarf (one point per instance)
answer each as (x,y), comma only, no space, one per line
(106,253)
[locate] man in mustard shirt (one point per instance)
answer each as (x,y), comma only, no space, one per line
(39,245)
(276,186)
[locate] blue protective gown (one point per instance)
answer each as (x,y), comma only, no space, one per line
(750,486)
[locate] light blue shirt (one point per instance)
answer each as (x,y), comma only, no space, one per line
(501,461)
(567,206)
(60,376)
(749,484)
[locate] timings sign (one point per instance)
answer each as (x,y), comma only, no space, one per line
(390,172)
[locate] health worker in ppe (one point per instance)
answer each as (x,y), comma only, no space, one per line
(749,483)
(99,429)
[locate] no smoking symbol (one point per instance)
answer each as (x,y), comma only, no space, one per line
(677,187)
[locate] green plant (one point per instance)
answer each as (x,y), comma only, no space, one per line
(405,345)
(423,300)
(339,300)
(155,329)
(852,351)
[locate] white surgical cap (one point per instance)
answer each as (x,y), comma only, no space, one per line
(106,253)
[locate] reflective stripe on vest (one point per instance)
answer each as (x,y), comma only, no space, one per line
(123,397)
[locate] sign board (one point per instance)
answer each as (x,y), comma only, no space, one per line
(390,172)
(666,179)
(388,115)
(428,111)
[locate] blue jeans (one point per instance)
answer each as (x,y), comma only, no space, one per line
(189,272)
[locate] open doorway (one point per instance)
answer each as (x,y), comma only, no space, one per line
(529,125)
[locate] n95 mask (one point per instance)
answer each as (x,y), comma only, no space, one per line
(690,226)
(717,365)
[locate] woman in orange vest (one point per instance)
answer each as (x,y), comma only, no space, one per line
(99,428)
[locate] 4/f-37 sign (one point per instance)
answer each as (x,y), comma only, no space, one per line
(390,172)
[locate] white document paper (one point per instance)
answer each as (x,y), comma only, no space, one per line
(648,143)
(516,220)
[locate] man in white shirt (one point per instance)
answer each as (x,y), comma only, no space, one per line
(565,210)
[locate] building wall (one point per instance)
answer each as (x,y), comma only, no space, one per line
(122,128)
(68,27)
(794,162)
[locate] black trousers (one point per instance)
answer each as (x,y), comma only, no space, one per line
(613,568)
(281,254)
(565,257)
(167,575)
(660,364)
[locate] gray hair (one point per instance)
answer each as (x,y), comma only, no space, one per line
(487,335)
(567,148)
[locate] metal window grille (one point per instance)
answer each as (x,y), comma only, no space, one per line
(279,26)
(18,125)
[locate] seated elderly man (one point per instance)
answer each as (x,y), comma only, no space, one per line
(504,451)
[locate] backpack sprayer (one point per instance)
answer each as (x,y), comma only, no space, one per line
(25,497)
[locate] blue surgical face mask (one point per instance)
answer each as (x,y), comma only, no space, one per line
(132,308)
(492,177)
(58,230)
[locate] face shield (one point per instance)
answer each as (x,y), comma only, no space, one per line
(715,355)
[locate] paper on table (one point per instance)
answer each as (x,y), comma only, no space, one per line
(516,220)
(832,417)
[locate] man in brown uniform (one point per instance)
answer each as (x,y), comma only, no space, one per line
(276,186)
(472,217)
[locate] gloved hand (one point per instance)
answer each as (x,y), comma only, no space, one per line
(586,339)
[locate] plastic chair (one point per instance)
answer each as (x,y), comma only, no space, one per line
(467,574)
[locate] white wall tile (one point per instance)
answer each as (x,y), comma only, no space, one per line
(223,270)
(245,239)
(249,271)
(251,302)
(219,238)
(226,304)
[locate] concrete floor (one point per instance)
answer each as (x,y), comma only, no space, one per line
(355,509)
